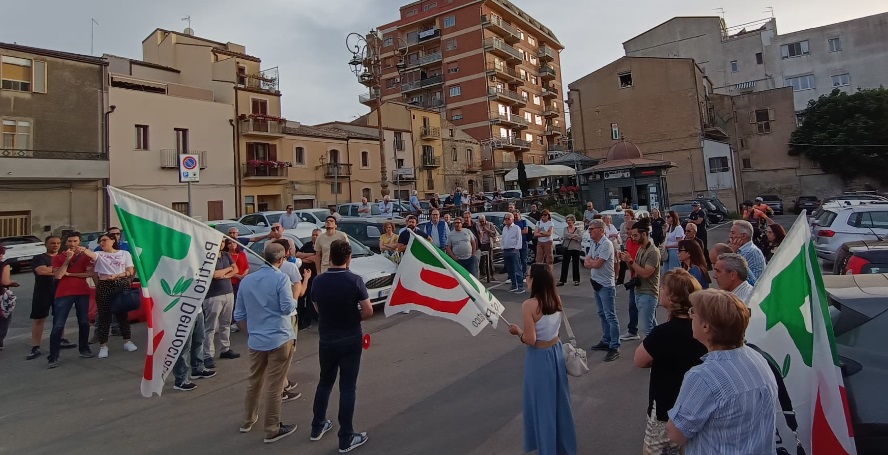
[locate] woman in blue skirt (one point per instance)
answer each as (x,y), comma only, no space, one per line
(548,419)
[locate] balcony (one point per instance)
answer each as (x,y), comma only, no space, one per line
(553,131)
(430,161)
(546,53)
(473,168)
(547,73)
(502,28)
(430,133)
(429,35)
(551,111)
(505,73)
(429,104)
(169,158)
(499,48)
(498,167)
(424,60)
(422,83)
(369,99)
(509,121)
(264,172)
(337,170)
(506,96)
(549,91)
(557,149)
(405,175)
(264,81)
(514,144)
(262,126)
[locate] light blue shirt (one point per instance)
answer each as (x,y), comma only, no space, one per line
(265,301)
(755,259)
(727,405)
(387,209)
(414,202)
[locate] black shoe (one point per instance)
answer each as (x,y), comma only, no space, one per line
(229,354)
(318,433)
(209,362)
(612,354)
(600,347)
(290,386)
(87,354)
(53,363)
(65,344)
(205,374)
(185,387)
(576,283)
(357,440)
(285,430)
(290,396)
(560,283)
(35,352)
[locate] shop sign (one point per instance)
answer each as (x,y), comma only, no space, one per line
(623,174)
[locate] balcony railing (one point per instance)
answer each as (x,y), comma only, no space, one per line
(264,172)
(430,161)
(424,60)
(262,126)
(169,158)
(422,83)
(421,37)
(369,98)
(50,154)
(547,72)
(340,170)
(549,91)
(265,81)
(553,130)
(501,27)
(557,148)
(513,120)
(514,142)
(508,95)
(551,111)
(473,167)
(498,46)
(503,71)
(546,53)
(429,104)
(430,132)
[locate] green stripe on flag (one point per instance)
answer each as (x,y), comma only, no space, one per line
(785,304)
(422,253)
(823,300)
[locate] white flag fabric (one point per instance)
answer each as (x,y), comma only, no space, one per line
(790,321)
(431,282)
(175,257)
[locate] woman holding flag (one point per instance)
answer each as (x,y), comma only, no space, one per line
(548,418)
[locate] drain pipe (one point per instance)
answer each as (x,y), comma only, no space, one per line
(237,174)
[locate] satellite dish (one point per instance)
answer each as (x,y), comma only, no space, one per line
(189,31)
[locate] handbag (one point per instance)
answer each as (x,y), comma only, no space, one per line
(126,300)
(574,357)
(7,303)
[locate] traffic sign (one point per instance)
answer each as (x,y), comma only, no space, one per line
(189,168)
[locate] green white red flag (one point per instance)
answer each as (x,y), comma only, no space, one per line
(175,257)
(431,282)
(790,321)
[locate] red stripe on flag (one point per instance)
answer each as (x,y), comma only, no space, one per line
(437,279)
(823,437)
(148,374)
(404,296)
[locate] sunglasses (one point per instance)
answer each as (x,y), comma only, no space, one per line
(275,229)
(682,251)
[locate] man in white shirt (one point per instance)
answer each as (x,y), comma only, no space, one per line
(512,241)
(364,209)
(386,207)
(731,273)
(289,220)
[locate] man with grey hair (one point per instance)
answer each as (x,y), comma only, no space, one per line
(600,258)
(731,273)
(741,242)
(512,242)
(717,250)
(265,299)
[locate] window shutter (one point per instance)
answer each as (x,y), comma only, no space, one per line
(752,116)
(39,85)
(770,114)
(272,152)
(251,150)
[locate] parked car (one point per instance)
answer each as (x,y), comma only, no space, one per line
(20,249)
(809,203)
(88,239)
(683,209)
(774,202)
(497,219)
(862,257)
(260,222)
(377,272)
(618,216)
(351,210)
(313,216)
(496,248)
(224,225)
(859,314)
(367,230)
(718,206)
(837,226)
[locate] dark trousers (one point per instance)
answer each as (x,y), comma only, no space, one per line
(4,327)
(621,277)
(61,307)
(343,355)
(571,257)
(105,290)
(191,357)
(305,308)
(633,314)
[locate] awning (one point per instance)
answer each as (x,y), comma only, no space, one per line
(536,171)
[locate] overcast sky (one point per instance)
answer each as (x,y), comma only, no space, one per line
(306,38)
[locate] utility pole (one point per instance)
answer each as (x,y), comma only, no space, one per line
(92,34)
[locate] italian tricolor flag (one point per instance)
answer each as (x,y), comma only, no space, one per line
(790,321)
(430,281)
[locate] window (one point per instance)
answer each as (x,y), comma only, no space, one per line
(449,21)
(451,132)
(242,75)
(835,44)
(718,164)
(744,144)
(387,42)
(747,163)
(16,134)
(411,13)
(387,62)
(800,83)
(455,90)
(470,156)
(759,59)
(625,80)
(529,117)
(876,220)
(539,139)
(453,154)
(365,159)
(181,140)
(333,156)
(453,67)
(536,99)
(522,54)
(528,137)
(399,141)
(734,67)
(762,118)
(799,119)
(336,187)
(534,80)
(524,95)
(794,49)
(181,207)
(538,119)
(22,74)
(451,44)
(531,41)
(533,60)
(259,106)
(429,6)
(457,117)
(250,204)
(841,80)
(521,34)
(141,137)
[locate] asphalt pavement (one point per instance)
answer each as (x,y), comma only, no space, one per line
(426,387)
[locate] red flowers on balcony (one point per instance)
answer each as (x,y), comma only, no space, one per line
(268,164)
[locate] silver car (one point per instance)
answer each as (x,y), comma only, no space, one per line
(836,226)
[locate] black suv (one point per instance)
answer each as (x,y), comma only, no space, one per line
(774,202)
(809,203)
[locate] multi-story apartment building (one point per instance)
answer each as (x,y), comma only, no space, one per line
(493,71)
(53,112)
(754,57)
(156,118)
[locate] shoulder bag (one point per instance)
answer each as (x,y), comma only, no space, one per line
(7,302)
(574,357)
(126,300)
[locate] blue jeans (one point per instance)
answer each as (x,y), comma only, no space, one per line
(672,261)
(606,298)
(469,265)
(512,260)
(632,328)
(192,352)
(647,309)
(524,250)
(61,307)
(343,355)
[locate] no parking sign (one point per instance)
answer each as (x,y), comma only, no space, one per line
(189,168)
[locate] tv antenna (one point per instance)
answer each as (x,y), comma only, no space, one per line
(92,34)
(187,19)
(769,9)
(720,11)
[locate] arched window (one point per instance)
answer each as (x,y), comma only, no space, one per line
(453,156)
(334,156)
(470,156)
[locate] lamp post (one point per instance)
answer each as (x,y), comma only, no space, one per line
(366,64)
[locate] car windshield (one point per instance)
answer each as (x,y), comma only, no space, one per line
(274,218)
(358,248)
(19,240)
(682,208)
(241,229)
(771,198)
(807,198)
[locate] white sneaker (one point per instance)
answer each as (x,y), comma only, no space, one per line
(103,352)
(233,328)
(130,346)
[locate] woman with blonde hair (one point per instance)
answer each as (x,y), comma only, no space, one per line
(388,243)
(669,351)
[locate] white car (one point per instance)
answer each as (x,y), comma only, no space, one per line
(377,272)
(837,225)
(20,250)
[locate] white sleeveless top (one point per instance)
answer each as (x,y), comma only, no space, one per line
(548,326)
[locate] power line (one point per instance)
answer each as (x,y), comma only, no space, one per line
(839,145)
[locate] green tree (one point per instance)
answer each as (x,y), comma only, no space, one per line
(846,133)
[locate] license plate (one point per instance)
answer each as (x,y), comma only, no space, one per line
(383,293)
